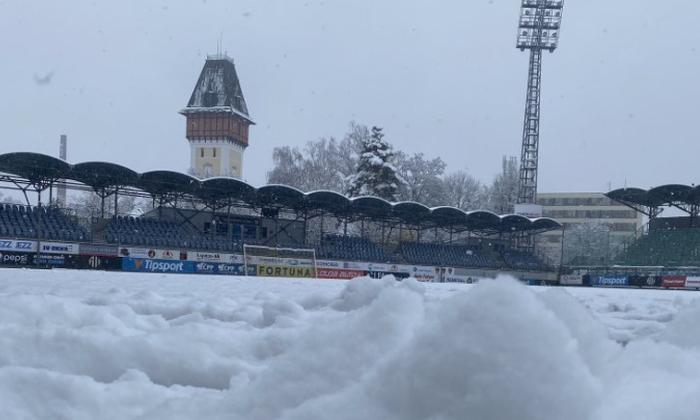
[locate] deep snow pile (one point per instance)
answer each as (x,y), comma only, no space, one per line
(86,345)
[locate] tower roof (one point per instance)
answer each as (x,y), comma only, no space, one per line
(218,89)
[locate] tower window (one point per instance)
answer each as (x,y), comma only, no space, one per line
(214,152)
(201,152)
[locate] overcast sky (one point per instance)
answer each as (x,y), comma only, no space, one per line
(620,99)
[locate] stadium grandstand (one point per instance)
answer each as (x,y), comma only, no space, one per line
(670,242)
(224,214)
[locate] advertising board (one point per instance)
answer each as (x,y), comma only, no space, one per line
(609,280)
(692,282)
(265,270)
(455,278)
(17,245)
(571,279)
(102,250)
(673,281)
(53,260)
(338,273)
(291,262)
(156,265)
(154,253)
(93,262)
(216,257)
(16,258)
(205,267)
(644,281)
(531,211)
(59,248)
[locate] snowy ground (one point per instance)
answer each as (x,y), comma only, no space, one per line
(95,345)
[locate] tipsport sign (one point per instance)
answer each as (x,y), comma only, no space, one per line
(157,266)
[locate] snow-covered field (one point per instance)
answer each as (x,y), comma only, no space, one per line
(95,345)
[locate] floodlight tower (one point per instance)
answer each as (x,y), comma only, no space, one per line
(538,30)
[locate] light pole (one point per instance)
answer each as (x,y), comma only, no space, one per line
(538,29)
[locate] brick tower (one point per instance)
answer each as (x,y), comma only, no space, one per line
(217,121)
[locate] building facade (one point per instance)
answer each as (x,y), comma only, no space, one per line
(594,227)
(218,123)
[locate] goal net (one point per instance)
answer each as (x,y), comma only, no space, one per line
(280,262)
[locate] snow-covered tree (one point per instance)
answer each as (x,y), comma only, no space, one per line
(376,175)
(503,193)
(324,164)
(421,178)
(587,243)
(464,191)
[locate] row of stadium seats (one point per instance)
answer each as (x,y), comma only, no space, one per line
(667,247)
(447,255)
(173,241)
(522,260)
(20,221)
(352,248)
(139,225)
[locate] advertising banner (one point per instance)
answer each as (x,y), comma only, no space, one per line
(644,281)
(93,262)
(157,266)
(531,211)
(454,278)
(571,280)
(210,256)
(692,282)
(59,248)
(205,267)
(17,245)
(338,273)
(264,270)
(330,264)
(609,280)
(159,254)
(292,262)
(380,274)
(53,260)
(673,281)
(102,250)
(16,258)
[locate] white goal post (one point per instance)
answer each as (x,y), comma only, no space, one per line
(270,256)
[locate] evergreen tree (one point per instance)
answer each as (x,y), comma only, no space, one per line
(375,175)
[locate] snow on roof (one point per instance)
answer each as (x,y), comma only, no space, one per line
(218,89)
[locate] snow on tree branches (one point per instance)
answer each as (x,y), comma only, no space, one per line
(376,175)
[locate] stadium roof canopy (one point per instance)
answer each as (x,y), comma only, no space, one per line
(42,170)
(648,202)
(38,169)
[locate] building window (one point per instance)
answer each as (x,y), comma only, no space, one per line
(201,152)
(214,152)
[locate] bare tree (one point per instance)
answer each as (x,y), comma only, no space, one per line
(465,192)
(420,179)
(324,164)
(503,193)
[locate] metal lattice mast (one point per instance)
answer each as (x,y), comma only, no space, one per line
(538,30)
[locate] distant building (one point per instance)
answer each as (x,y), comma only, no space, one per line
(217,121)
(592,209)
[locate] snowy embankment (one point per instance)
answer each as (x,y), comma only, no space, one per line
(95,345)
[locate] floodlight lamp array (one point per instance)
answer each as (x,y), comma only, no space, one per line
(540,21)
